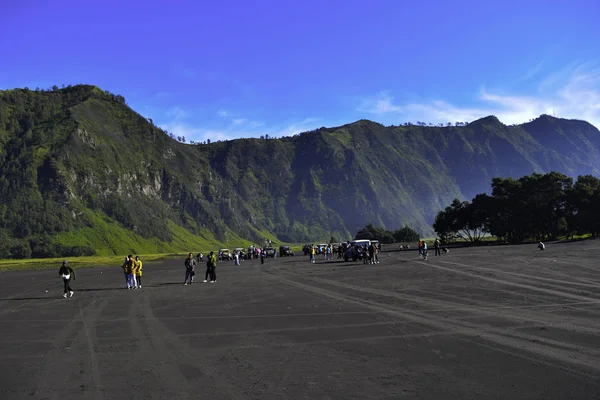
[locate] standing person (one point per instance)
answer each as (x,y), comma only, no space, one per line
(134,272)
(371,253)
(130,269)
(424,248)
(237,258)
(436,246)
(138,271)
(375,253)
(213,268)
(262,257)
(67,273)
(124,267)
(209,261)
(190,266)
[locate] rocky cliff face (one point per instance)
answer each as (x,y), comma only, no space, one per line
(76,152)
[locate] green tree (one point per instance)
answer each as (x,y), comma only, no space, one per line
(405,234)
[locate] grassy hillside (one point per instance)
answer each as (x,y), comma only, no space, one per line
(83,173)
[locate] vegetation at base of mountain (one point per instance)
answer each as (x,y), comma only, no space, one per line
(402,235)
(533,207)
(79,262)
(80,171)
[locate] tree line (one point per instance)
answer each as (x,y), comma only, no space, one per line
(402,235)
(533,207)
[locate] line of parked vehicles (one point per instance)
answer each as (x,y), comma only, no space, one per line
(351,250)
(244,254)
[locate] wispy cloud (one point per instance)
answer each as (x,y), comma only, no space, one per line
(176,113)
(229,127)
(532,72)
(294,128)
(570,93)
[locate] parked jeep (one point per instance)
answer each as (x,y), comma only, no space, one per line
(225,254)
(285,251)
(269,251)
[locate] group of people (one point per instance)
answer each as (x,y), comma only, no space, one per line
(132,268)
(211,268)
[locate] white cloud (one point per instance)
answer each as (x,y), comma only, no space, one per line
(181,129)
(305,125)
(176,113)
(533,71)
(233,128)
(573,92)
(238,128)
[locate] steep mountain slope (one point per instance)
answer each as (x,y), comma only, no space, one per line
(78,165)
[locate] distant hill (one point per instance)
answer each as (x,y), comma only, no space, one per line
(82,172)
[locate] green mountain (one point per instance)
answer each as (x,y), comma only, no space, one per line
(81,172)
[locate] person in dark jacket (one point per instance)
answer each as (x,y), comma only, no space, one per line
(67,273)
(213,268)
(190,269)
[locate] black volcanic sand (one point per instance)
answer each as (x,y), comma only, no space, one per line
(505,322)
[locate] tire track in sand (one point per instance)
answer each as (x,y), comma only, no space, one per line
(463,321)
(60,352)
(584,365)
(553,292)
(153,355)
(173,348)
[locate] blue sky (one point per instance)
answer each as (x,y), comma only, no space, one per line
(228,69)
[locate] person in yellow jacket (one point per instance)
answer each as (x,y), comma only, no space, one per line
(211,265)
(129,269)
(138,271)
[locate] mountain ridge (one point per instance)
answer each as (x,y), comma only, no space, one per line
(73,156)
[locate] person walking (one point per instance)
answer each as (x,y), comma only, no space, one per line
(138,271)
(190,269)
(67,273)
(436,246)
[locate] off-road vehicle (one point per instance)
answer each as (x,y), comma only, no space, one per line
(285,251)
(269,251)
(225,254)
